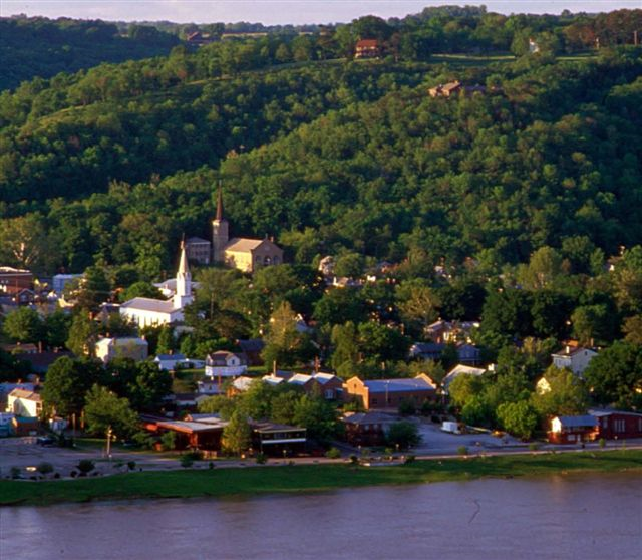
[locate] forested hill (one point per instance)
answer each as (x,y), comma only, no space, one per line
(31,47)
(117,162)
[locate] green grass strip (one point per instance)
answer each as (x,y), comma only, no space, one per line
(253,481)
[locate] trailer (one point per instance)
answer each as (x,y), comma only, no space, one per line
(450,428)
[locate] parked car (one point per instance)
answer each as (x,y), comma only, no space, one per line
(46,441)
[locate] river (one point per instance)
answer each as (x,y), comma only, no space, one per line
(584,517)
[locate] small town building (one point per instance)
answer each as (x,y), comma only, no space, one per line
(14,280)
(247,255)
(199,250)
(366,429)
(618,424)
(24,403)
(252,349)
(225,364)
(576,358)
(192,435)
(169,362)
(573,429)
(278,440)
(59,281)
(153,312)
(460,369)
(366,48)
(106,349)
(389,393)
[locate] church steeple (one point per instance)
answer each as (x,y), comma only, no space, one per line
(220,230)
(183,295)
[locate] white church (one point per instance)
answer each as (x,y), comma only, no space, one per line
(153,312)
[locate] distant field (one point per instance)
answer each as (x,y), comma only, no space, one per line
(309,478)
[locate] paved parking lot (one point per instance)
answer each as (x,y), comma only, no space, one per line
(436,442)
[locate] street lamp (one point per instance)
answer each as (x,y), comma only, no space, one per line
(109,432)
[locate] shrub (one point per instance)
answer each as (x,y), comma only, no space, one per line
(187,461)
(85,466)
(403,435)
(211,465)
(354,460)
(333,453)
(15,472)
(534,446)
(131,465)
(261,459)
(45,468)
(602,443)
(168,441)
(409,459)
(56,475)
(73,474)
(406,407)
(462,450)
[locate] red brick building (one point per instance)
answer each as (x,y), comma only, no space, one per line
(390,393)
(13,280)
(618,424)
(366,48)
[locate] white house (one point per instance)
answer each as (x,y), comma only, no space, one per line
(150,312)
(168,362)
(225,364)
(126,347)
(24,403)
(576,358)
(458,370)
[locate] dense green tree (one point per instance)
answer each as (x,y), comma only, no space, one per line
(24,325)
(518,418)
(566,394)
(67,383)
(82,334)
(237,434)
(403,435)
(104,411)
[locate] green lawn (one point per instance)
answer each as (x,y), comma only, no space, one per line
(309,478)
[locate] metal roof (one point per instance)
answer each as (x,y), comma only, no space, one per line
(401,384)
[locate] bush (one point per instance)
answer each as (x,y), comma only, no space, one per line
(534,446)
(261,459)
(409,459)
(15,472)
(333,453)
(354,460)
(131,465)
(187,461)
(45,468)
(211,465)
(403,435)
(168,441)
(462,450)
(602,443)
(406,407)
(85,466)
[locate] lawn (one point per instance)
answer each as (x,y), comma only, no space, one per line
(309,478)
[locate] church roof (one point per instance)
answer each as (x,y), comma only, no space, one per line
(243,244)
(183,267)
(148,304)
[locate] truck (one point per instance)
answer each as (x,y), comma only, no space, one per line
(450,428)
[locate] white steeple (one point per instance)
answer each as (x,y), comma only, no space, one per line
(183,295)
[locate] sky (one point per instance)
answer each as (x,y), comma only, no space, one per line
(272,12)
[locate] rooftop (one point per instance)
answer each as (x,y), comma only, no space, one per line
(148,304)
(401,384)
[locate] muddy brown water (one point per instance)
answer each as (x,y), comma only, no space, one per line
(584,517)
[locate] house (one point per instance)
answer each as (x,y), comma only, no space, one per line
(426,350)
(225,364)
(460,369)
(208,386)
(445,90)
(390,393)
(40,361)
(20,348)
(247,255)
(573,429)
(366,429)
(618,424)
(169,362)
(252,349)
(241,384)
(450,331)
(331,385)
(576,358)
(6,423)
(366,48)
(199,39)
(107,349)
(153,312)
(14,280)
(24,403)
(278,440)
(199,250)
(468,354)
(59,281)
(326,384)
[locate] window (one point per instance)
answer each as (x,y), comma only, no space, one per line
(619,426)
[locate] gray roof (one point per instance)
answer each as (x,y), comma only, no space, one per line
(148,304)
(401,384)
(366,418)
(583,421)
(243,244)
(163,357)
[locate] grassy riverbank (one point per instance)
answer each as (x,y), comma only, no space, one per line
(310,478)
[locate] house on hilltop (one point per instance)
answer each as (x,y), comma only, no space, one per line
(366,48)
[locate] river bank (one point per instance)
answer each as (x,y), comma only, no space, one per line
(221,483)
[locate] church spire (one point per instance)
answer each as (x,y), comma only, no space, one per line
(183,294)
(183,267)
(219,204)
